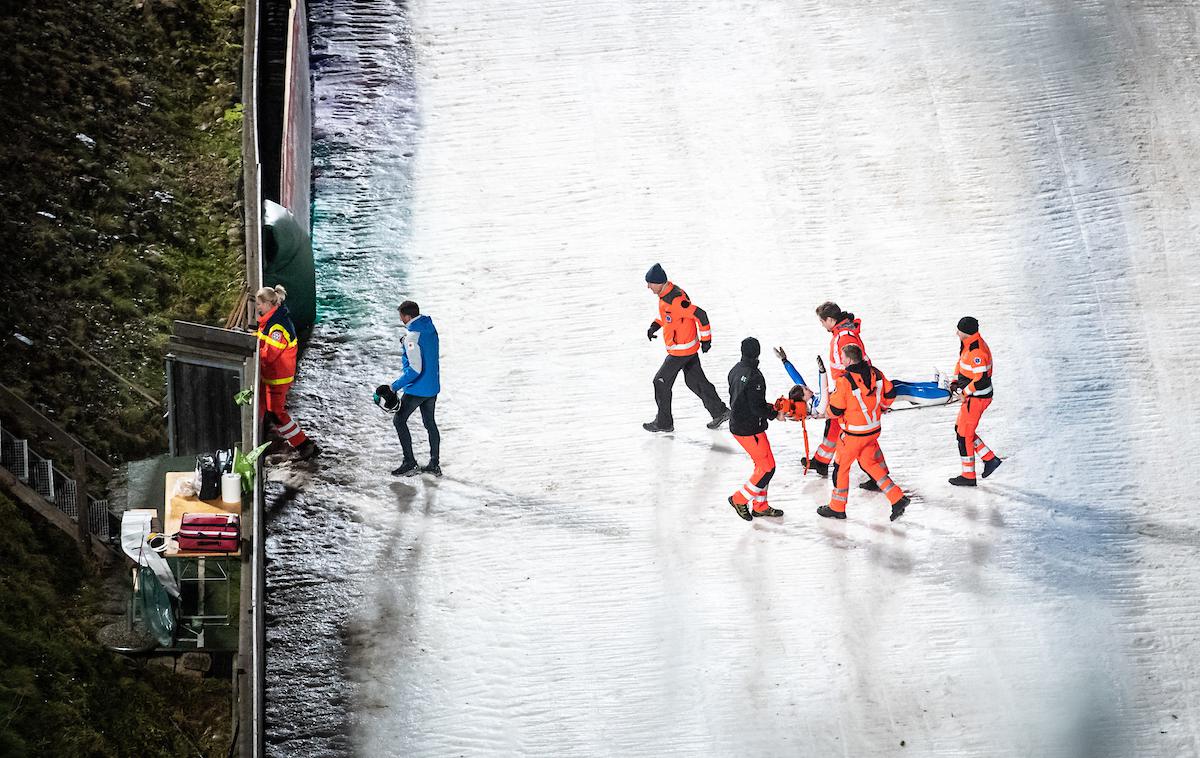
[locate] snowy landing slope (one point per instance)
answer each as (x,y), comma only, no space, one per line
(575,586)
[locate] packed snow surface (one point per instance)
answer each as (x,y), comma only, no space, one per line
(575,586)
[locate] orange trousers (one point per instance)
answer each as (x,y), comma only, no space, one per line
(754,491)
(833,430)
(969,443)
(866,451)
(275,403)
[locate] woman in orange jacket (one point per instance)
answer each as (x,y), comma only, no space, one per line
(277,365)
(844,330)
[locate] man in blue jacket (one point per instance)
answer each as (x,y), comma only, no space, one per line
(420,382)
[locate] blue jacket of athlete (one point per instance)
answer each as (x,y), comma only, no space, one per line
(422,373)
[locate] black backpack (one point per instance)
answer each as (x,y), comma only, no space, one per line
(208,477)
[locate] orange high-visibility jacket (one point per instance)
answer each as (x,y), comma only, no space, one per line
(860,396)
(845,333)
(278,348)
(684,324)
(975,367)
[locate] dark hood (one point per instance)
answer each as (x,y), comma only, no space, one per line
(863,370)
(750,350)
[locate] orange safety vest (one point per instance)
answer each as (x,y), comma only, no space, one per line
(975,366)
(278,347)
(845,333)
(684,325)
(859,403)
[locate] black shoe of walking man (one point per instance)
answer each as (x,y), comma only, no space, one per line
(408,468)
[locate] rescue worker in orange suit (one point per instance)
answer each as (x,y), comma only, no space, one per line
(277,365)
(749,415)
(686,332)
(974,379)
(844,330)
(860,396)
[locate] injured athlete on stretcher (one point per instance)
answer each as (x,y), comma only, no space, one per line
(916,393)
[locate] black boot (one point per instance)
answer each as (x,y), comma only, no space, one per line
(870,486)
(408,468)
(899,506)
(719,419)
(828,512)
(962,481)
(990,466)
(652,426)
(308,449)
(820,469)
(768,512)
(741,509)
(432,468)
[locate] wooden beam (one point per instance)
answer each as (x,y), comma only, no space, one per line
(26,413)
(207,355)
(83,509)
(29,497)
(214,337)
(136,388)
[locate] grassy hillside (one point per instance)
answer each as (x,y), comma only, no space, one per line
(119,212)
(60,693)
(118,204)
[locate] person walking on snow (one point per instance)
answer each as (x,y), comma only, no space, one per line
(844,328)
(420,382)
(277,365)
(974,379)
(686,332)
(861,395)
(749,415)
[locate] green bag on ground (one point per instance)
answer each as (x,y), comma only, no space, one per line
(158,614)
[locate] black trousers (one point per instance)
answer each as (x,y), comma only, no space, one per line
(696,381)
(408,404)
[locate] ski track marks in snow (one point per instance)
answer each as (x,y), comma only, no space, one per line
(575,586)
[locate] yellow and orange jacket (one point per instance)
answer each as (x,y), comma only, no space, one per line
(845,333)
(860,396)
(277,349)
(975,367)
(684,324)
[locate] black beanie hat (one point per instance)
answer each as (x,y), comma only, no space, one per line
(751,349)
(656,275)
(968,325)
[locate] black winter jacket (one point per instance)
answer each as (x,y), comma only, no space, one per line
(749,411)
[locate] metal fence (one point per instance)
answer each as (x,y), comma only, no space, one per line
(50,482)
(14,454)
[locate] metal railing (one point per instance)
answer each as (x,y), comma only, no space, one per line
(51,483)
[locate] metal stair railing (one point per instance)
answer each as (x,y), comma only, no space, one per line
(50,483)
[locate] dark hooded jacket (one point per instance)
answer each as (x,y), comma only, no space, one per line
(749,411)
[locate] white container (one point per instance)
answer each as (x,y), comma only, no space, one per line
(231,488)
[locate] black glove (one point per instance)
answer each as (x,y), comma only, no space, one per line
(958,384)
(780,354)
(652,332)
(705,346)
